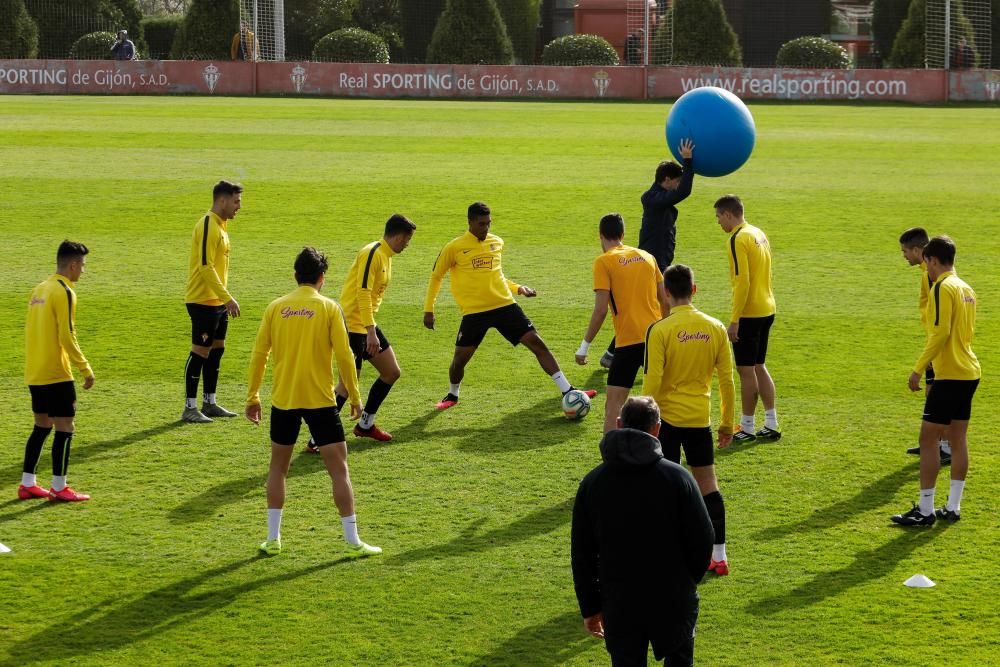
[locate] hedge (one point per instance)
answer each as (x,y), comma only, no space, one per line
(207,31)
(159,32)
(579,50)
(419,18)
(18,32)
(813,53)
(93,46)
(306,21)
(61,22)
(521,19)
(703,36)
(382,17)
(351,45)
(887,19)
(470,32)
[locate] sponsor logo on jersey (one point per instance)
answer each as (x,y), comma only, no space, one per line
(287,312)
(684,336)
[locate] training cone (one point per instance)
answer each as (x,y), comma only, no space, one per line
(4,550)
(919,581)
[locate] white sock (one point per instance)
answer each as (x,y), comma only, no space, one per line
(945,446)
(367,420)
(58,483)
(453,389)
(210,399)
(746,424)
(350,524)
(955,495)
(190,403)
(29,479)
(561,382)
(927,501)
(719,551)
(273,524)
(771,419)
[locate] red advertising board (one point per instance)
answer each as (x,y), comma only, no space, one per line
(111,77)
(975,85)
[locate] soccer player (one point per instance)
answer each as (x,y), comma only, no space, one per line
(912,243)
(50,347)
(672,184)
(951,321)
(682,352)
(486,299)
(209,303)
(628,280)
(306,331)
(753,310)
(367,281)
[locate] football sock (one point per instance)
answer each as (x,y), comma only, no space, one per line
(927,501)
(367,420)
(945,446)
(60,453)
(453,389)
(340,401)
(746,424)
(561,382)
(210,370)
(28,479)
(719,551)
(273,524)
(376,395)
(955,495)
(33,450)
(190,403)
(192,375)
(350,524)
(209,398)
(58,483)
(717,513)
(771,419)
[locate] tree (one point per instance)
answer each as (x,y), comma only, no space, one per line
(703,36)
(382,17)
(306,21)
(908,48)
(207,31)
(18,32)
(163,7)
(61,22)
(887,19)
(473,32)
(419,17)
(132,15)
(521,19)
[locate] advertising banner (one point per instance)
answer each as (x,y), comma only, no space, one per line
(112,77)
(974,85)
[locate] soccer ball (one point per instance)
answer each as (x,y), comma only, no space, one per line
(575,404)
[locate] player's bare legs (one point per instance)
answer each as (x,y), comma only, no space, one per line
(765,387)
(616,397)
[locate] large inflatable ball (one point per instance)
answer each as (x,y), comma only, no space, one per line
(720,126)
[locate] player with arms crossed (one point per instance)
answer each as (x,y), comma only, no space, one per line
(627,281)
(951,318)
(50,347)
(305,331)
(486,298)
(683,350)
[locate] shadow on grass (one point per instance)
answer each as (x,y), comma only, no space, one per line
(111,625)
(27,507)
(471,540)
(866,566)
(536,427)
(878,493)
(553,642)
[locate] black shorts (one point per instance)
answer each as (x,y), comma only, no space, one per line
(54,400)
(324,425)
(949,400)
(696,442)
(208,323)
(751,349)
(510,321)
(359,345)
(929,375)
(626,363)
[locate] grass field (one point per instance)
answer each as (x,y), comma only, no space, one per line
(472,506)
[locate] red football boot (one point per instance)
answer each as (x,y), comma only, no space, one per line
(68,495)
(29,492)
(375,433)
(719,567)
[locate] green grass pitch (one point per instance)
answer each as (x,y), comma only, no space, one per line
(472,506)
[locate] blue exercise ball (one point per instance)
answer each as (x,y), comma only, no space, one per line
(720,126)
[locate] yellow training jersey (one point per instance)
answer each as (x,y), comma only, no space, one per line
(951,322)
(367,280)
(50,343)
(477,281)
(682,351)
(925,289)
(208,266)
(750,273)
(631,276)
(305,331)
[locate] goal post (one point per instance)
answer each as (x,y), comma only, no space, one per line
(958,34)
(265,19)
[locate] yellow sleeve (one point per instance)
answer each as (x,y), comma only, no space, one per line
(727,387)
(206,270)
(602,277)
(342,353)
(66,326)
(258,359)
(655,362)
(370,275)
(511,285)
(741,278)
(939,309)
(443,263)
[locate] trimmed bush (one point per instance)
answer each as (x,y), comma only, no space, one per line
(306,21)
(579,50)
(207,31)
(351,45)
(382,17)
(61,22)
(160,32)
(887,19)
(813,53)
(471,32)
(703,36)
(908,49)
(661,49)
(93,46)
(419,17)
(521,18)
(18,32)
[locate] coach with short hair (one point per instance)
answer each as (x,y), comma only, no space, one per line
(641,542)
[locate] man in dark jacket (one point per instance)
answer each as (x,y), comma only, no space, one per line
(641,542)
